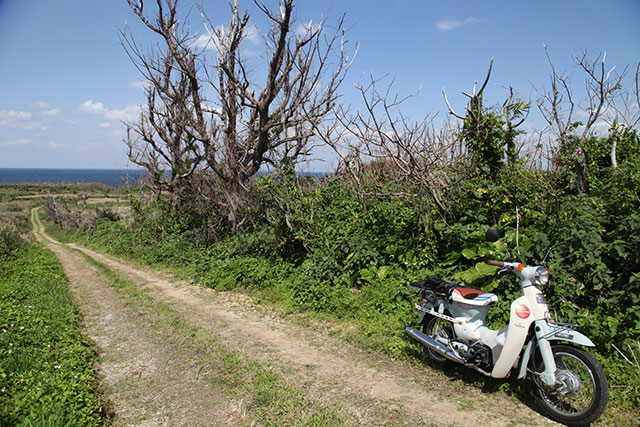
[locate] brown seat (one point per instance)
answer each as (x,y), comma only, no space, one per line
(473,297)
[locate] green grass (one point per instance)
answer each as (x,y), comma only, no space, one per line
(46,363)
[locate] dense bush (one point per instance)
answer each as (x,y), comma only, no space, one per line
(9,240)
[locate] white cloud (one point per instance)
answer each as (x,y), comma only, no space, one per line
(14,115)
(209,41)
(51,112)
(105,124)
(48,109)
(128,113)
(450,24)
(206,42)
(139,84)
(91,107)
(41,105)
(20,120)
(15,142)
(252,33)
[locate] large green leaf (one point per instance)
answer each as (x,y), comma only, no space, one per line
(476,272)
(470,252)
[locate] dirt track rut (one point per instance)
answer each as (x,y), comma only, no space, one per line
(371,389)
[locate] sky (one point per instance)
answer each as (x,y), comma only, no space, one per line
(67,85)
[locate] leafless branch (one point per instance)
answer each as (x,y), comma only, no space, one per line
(218,117)
(413,152)
(557,107)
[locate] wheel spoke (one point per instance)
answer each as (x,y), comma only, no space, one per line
(438,329)
(575,392)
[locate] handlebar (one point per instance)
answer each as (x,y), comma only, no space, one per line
(507,266)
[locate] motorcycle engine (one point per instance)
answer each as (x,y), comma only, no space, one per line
(478,353)
(482,356)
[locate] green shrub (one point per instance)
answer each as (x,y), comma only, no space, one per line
(9,240)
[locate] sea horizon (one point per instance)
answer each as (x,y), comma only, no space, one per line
(111,177)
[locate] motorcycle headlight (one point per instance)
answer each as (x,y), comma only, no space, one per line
(542,276)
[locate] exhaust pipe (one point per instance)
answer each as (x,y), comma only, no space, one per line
(433,345)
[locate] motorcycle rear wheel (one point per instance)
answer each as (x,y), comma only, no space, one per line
(582,392)
(435,327)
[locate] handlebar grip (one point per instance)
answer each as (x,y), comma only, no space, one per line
(496,263)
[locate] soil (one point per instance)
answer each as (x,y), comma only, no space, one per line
(152,380)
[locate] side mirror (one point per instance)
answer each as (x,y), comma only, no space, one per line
(493,234)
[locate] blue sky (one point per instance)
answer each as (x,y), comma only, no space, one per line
(66,84)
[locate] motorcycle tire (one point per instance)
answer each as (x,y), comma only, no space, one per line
(583,391)
(435,327)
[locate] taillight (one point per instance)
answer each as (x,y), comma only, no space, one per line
(423,295)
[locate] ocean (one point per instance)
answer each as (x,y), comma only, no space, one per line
(112,177)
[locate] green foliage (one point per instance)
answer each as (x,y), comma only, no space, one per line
(484,134)
(46,364)
(619,186)
(320,246)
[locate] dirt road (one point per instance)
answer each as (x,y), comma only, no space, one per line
(155,378)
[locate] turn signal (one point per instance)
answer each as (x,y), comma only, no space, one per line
(520,267)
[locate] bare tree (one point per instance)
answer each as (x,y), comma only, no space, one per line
(626,106)
(414,152)
(474,107)
(558,107)
(66,217)
(514,111)
(165,138)
(222,119)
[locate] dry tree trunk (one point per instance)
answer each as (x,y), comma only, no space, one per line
(218,119)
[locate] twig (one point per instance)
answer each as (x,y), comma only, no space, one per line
(622,354)
(634,355)
(518,232)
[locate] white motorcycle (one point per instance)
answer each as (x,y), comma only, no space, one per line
(570,385)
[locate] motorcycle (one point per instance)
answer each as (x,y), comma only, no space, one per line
(569,384)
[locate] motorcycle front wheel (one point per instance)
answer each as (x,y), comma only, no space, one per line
(581,393)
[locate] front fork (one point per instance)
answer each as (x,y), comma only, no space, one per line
(547,331)
(542,342)
(549,375)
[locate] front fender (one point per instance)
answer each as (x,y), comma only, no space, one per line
(556,332)
(572,336)
(550,332)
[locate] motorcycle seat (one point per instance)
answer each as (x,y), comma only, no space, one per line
(473,297)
